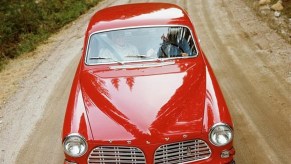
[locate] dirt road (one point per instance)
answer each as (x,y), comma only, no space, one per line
(251,62)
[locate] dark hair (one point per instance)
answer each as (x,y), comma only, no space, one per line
(173,34)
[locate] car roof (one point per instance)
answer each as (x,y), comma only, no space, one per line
(138,14)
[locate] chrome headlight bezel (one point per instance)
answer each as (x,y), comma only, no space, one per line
(226,128)
(75,137)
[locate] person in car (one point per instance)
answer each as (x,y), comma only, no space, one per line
(119,46)
(174,45)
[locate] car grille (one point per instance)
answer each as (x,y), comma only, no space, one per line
(182,152)
(117,155)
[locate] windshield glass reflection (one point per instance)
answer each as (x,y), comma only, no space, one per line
(140,44)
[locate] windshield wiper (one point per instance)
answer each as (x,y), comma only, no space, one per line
(139,56)
(136,56)
(144,56)
(96,58)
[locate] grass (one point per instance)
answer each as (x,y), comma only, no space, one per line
(25,24)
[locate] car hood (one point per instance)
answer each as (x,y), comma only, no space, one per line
(144,102)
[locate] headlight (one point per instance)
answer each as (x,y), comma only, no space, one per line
(220,134)
(75,145)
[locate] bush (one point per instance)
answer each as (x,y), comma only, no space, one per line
(24,24)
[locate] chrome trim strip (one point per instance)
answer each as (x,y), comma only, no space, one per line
(132,27)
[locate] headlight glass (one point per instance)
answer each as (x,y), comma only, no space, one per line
(220,134)
(75,145)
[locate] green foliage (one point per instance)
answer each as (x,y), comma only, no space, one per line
(25,23)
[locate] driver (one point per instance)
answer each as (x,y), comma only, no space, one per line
(174,45)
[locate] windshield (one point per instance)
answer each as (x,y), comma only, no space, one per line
(140,44)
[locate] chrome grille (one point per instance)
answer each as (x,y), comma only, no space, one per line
(116,154)
(182,152)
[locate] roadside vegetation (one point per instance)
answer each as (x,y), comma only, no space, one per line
(287,6)
(24,24)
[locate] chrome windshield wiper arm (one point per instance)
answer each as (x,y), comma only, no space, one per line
(96,58)
(139,56)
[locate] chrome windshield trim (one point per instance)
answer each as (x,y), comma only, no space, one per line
(133,27)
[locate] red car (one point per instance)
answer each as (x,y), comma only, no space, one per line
(144,92)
